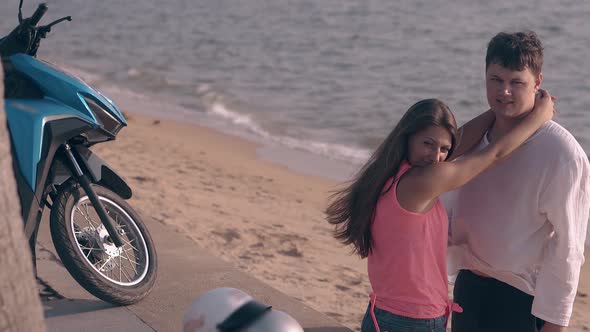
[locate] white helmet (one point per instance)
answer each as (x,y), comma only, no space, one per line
(232,310)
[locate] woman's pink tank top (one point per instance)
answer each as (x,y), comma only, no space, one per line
(407,266)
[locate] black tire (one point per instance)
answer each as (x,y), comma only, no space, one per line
(84,265)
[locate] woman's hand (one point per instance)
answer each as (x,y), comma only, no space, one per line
(544,106)
(548,327)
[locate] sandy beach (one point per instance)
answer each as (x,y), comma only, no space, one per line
(259,216)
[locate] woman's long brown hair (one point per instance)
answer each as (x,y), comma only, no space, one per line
(352,209)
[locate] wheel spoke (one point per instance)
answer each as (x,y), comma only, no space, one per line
(130,260)
(87,216)
(127,250)
(129,243)
(88,248)
(125,272)
(105,263)
(133,265)
(83,215)
(97,263)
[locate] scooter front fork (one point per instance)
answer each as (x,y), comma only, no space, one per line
(108,223)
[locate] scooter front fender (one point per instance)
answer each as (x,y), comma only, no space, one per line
(100,172)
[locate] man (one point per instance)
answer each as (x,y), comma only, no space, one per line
(517,232)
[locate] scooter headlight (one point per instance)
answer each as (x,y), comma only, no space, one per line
(108,122)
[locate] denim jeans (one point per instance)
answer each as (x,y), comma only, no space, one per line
(389,322)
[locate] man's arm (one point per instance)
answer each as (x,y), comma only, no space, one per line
(471,133)
(566,202)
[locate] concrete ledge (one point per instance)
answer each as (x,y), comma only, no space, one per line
(185,271)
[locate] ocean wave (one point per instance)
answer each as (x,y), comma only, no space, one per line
(217,103)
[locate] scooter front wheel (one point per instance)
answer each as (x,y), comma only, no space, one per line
(122,275)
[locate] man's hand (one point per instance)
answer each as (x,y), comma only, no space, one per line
(548,327)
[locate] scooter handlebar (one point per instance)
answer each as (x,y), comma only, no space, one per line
(38,14)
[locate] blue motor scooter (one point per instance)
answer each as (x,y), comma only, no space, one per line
(53,119)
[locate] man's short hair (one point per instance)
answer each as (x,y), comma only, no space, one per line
(516,51)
